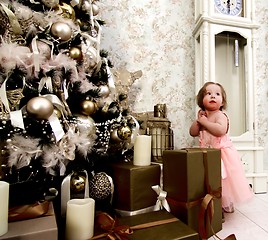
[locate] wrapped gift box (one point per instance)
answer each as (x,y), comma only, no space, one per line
(41,228)
(167,231)
(184,180)
(133,186)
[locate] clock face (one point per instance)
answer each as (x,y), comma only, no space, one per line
(229,7)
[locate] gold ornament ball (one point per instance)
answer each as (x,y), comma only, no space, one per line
(61,30)
(78,183)
(88,107)
(39,108)
(124,132)
(75,53)
(66,11)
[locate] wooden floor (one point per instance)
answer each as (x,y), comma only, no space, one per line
(248,222)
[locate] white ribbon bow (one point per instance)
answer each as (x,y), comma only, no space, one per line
(161,199)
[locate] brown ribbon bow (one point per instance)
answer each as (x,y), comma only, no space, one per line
(207,206)
(114,231)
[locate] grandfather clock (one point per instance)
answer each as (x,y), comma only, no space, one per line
(225,52)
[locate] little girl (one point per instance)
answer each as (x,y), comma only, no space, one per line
(212,126)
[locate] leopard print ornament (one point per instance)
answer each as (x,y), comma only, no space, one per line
(100,186)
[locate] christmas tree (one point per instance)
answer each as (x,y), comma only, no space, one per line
(61,110)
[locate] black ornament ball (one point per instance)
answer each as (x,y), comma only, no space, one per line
(100,186)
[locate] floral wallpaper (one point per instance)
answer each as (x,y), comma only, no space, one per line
(155,36)
(261,13)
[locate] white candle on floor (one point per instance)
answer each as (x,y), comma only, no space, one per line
(142,150)
(80,215)
(4,194)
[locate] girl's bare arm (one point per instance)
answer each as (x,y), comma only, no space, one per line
(217,128)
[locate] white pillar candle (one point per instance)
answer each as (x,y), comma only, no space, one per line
(142,150)
(4,194)
(80,215)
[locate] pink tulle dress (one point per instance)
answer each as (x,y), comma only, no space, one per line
(235,187)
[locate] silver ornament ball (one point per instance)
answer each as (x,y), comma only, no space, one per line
(104,91)
(85,124)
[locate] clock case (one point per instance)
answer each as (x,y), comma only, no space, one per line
(214,34)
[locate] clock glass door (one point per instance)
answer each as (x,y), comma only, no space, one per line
(230,72)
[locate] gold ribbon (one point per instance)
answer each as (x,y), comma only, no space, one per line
(29,211)
(14,97)
(12,20)
(120,232)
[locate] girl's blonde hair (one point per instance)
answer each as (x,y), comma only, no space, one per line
(201,94)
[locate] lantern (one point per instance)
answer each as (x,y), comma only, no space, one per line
(159,128)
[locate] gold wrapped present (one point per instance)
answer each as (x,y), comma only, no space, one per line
(190,176)
(133,186)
